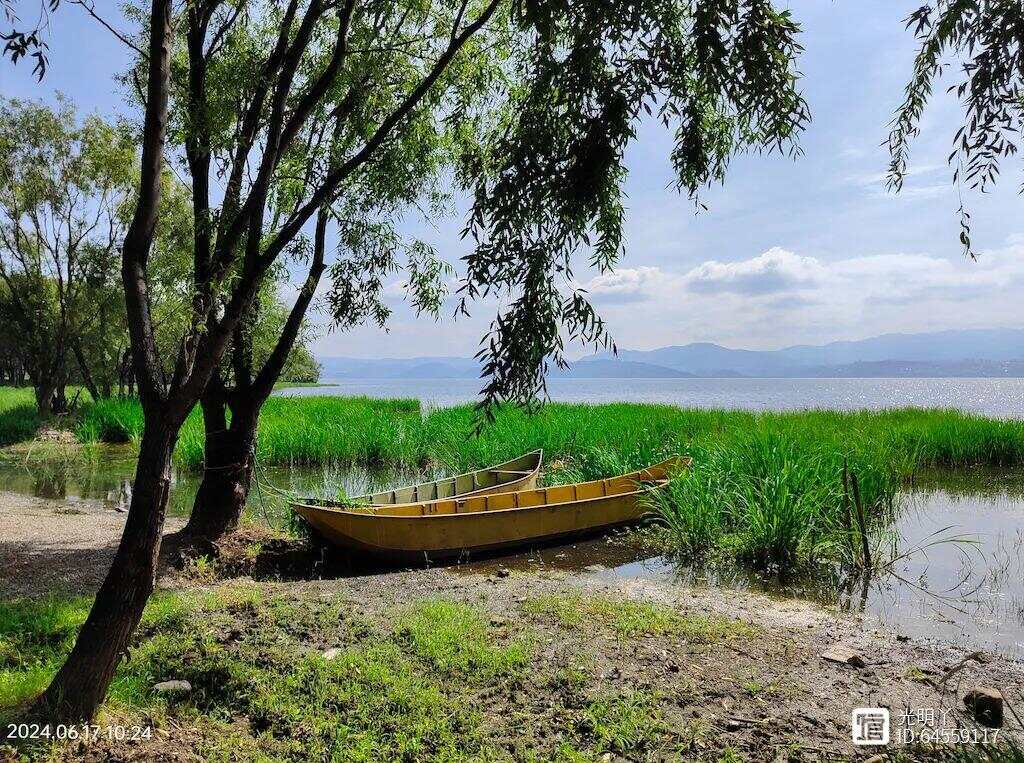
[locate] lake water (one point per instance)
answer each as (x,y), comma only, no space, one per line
(994,397)
(959,578)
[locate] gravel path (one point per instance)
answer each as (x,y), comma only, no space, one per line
(49,545)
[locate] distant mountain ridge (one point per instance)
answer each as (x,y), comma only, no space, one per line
(969,352)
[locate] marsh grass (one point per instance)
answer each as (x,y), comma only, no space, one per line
(115,420)
(586,441)
(777,498)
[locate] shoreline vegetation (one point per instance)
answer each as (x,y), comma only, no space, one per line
(404,649)
(765,488)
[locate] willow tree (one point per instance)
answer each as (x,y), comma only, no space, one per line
(410,173)
(721,74)
(983,42)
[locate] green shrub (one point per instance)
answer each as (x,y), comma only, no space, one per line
(114,420)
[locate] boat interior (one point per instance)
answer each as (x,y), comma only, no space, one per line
(522,499)
(481,479)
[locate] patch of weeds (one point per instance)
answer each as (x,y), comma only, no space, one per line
(253,551)
(754,687)
(632,618)
(372,701)
(570,677)
(36,636)
(200,569)
(729,755)
(366,704)
(694,732)
(626,725)
(235,597)
(915,673)
(454,639)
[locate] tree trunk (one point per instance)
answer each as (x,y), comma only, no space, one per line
(83,367)
(78,689)
(45,391)
(227,475)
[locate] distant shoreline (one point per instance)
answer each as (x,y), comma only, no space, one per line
(989,396)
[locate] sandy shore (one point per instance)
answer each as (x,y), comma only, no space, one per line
(56,546)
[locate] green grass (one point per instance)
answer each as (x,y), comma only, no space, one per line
(114,420)
(777,497)
(588,440)
(399,694)
(633,619)
(454,640)
(18,417)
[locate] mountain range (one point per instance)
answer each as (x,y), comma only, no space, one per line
(969,352)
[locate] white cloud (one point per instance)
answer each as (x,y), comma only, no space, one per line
(625,285)
(780,297)
(776,270)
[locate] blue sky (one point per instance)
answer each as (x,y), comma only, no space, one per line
(791,251)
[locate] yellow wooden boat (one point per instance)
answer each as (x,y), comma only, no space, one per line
(454,526)
(518,474)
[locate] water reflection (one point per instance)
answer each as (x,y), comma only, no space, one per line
(106,479)
(966,592)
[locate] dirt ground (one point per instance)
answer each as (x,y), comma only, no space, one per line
(56,546)
(764,693)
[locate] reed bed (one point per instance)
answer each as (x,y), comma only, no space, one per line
(765,487)
(582,441)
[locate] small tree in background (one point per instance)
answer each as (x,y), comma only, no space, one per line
(984,40)
(64,191)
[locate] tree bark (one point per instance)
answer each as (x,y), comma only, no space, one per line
(83,367)
(227,475)
(44,391)
(81,684)
(230,454)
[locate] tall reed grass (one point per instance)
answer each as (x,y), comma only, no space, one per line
(582,441)
(777,499)
(18,417)
(767,487)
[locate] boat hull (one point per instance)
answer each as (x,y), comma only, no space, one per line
(445,529)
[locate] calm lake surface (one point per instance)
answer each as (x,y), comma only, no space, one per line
(995,397)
